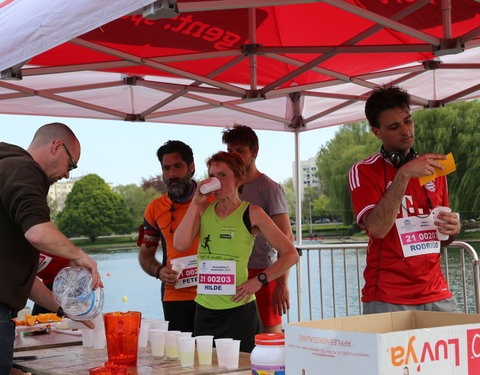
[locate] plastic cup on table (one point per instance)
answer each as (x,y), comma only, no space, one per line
(220,350)
(99,337)
(435,212)
(186,351)
(144,331)
(87,337)
(158,324)
(122,330)
(181,335)
(157,341)
(204,349)
(171,344)
(231,353)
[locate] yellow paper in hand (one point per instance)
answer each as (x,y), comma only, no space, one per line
(448,167)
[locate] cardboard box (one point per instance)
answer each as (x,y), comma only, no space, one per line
(400,343)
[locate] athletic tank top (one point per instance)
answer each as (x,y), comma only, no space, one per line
(224,239)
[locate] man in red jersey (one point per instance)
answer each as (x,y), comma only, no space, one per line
(403,257)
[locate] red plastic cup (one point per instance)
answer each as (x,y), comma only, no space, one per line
(122,330)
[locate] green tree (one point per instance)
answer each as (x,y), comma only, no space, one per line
(155,182)
(321,207)
(454,129)
(137,199)
(54,209)
(351,143)
(289,191)
(310,195)
(93,209)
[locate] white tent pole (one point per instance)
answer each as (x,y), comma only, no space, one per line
(298,220)
(298,195)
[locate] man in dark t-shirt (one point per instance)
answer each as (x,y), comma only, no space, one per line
(25,226)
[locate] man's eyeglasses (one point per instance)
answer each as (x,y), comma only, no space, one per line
(73,163)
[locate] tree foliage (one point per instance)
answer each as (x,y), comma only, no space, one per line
(289,191)
(455,129)
(93,209)
(155,182)
(137,199)
(351,143)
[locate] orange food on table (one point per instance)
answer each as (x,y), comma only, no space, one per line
(54,317)
(43,318)
(30,320)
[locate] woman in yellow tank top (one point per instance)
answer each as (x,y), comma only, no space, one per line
(225,297)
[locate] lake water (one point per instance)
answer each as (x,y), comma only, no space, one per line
(123,277)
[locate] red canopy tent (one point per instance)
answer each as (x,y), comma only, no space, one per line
(283,65)
(289,65)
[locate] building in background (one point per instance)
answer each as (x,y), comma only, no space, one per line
(308,174)
(59,190)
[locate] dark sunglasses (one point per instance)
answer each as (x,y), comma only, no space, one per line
(73,164)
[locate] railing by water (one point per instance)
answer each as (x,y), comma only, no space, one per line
(329,278)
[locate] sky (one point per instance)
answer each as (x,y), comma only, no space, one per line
(124,153)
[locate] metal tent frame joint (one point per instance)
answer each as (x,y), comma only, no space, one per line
(298,122)
(250,49)
(435,104)
(134,117)
(131,80)
(450,46)
(161,9)
(431,64)
(252,95)
(14,72)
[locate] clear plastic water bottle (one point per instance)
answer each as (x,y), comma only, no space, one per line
(72,289)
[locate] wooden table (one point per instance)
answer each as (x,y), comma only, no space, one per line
(53,339)
(76,360)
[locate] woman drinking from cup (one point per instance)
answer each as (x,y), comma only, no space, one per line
(225,302)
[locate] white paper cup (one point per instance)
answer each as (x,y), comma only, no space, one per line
(157,341)
(231,353)
(171,344)
(212,185)
(204,349)
(87,337)
(220,349)
(143,335)
(186,351)
(435,212)
(99,337)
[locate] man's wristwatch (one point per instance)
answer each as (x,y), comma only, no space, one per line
(262,277)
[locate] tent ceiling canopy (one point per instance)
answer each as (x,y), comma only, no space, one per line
(283,65)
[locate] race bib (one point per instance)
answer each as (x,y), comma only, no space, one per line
(187,267)
(217,277)
(418,235)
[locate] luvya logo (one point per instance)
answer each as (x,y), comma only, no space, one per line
(473,342)
(429,351)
